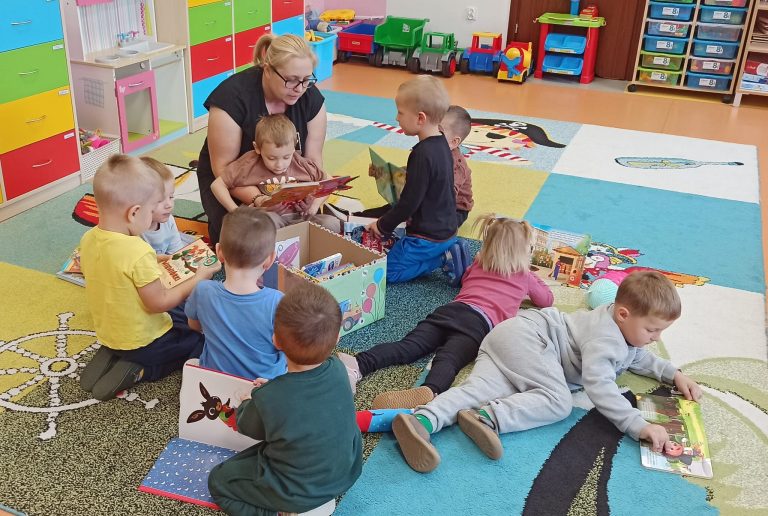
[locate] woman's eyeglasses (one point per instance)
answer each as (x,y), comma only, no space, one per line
(292,84)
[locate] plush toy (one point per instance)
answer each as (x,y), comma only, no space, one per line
(603,290)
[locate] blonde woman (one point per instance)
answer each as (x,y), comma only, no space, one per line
(281,81)
(492,289)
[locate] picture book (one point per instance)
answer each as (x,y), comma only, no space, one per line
(183,264)
(322,265)
(687,452)
(298,191)
(558,256)
(390,179)
(70,271)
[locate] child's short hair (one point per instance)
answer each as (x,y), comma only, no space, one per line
(247,237)
(123,181)
(506,248)
(427,94)
(457,122)
(307,324)
(649,293)
(161,168)
(277,129)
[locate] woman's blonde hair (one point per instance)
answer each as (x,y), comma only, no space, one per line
(506,248)
(275,51)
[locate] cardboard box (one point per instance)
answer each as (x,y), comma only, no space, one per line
(360,292)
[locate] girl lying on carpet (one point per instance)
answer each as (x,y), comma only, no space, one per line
(493,288)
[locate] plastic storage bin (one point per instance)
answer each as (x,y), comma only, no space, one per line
(664,44)
(708,81)
(565,44)
(324,51)
(668,29)
(677,1)
(723,15)
(565,65)
(658,77)
(711,66)
(667,11)
(726,3)
(717,32)
(661,61)
(716,49)
(357,39)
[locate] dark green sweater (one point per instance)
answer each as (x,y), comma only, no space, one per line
(310,449)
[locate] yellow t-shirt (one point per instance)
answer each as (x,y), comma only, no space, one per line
(115,266)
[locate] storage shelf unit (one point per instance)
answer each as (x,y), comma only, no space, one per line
(567,54)
(692,45)
(756,51)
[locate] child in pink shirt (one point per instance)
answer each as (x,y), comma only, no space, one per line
(493,288)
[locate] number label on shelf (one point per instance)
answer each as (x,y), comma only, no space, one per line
(658,60)
(711,65)
(670,11)
(708,83)
(664,44)
(658,76)
(714,49)
(721,15)
(666,27)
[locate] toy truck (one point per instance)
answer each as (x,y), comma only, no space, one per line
(516,62)
(437,53)
(397,39)
(357,40)
(484,56)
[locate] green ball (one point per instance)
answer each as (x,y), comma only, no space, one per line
(601,292)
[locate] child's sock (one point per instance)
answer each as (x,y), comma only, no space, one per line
(485,414)
(425,422)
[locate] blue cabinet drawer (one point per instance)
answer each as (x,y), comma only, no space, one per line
(294,25)
(201,90)
(29,23)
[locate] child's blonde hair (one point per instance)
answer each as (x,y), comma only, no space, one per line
(425,94)
(277,129)
(649,293)
(123,181)
(247,237)
(275,51)
(457,122)
(161,168)
(506,248)
(307,324)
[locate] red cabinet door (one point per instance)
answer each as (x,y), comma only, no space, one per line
(37,164)
(245,42)
(282,9)
(211,58)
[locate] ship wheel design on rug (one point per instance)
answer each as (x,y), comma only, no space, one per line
(52,369)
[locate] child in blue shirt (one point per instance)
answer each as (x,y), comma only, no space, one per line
(428,202)
(237,316)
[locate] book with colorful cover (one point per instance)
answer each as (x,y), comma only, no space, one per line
(298,191)
(687,452)
(322,265)
(70,271)
(558,256)
(390,178)
(183,264)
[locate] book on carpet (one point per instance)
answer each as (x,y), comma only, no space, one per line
(390,178)
(558,256)
(70,271)
(183,264)
(298,191)
(687,452)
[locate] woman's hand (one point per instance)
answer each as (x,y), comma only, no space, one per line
(280,209)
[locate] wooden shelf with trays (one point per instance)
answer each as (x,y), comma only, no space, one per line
(758,47)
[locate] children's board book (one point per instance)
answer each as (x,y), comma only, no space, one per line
(183,264)
(70,271)
(298,191)
(322,265)
(687,452)
(390,179)
(558,256)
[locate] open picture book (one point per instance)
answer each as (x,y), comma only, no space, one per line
(298,191)
(558,256)
(687,453)
(390,178)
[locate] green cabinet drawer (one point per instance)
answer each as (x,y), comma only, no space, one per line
(250,14)
(32,70)
(210,21)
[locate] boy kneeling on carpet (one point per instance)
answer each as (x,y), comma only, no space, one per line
(139,340)
(310,449)
(523,370)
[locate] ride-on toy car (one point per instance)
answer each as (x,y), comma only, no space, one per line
(484,56)
(437,53)
(516,62)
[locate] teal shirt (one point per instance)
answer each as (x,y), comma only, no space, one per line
(310,449)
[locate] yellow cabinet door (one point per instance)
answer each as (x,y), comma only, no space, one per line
(34,118)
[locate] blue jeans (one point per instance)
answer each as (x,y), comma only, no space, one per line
(413,257)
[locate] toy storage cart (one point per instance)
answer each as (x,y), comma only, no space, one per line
(564,53)
(692,45)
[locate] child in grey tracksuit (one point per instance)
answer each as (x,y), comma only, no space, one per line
(525,366)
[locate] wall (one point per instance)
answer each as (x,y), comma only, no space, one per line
(363,8)
(450,16)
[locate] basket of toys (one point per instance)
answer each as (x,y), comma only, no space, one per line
(96,148)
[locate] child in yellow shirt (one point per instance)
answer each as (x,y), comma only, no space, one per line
(139,340)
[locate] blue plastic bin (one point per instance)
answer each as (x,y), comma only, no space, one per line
(725,15)
(708,81)
(324,51)
(664,44)
(718,32)
(668,29)
(665,11)
(565,44)
(565,65)
(717,49)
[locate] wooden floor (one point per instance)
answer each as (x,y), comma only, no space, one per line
(599,105)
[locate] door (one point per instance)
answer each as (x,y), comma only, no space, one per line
(137,110)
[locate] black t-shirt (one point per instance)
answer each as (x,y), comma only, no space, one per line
(242,98)
(427,201)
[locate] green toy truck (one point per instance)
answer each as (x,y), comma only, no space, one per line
(437,53)
(397,39)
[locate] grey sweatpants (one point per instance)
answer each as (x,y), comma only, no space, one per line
(517,379)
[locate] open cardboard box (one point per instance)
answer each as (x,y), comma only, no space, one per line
(360,292)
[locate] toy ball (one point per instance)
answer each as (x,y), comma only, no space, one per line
(601,292)
(513,53)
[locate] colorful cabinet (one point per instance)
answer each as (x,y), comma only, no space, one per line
(38,141)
